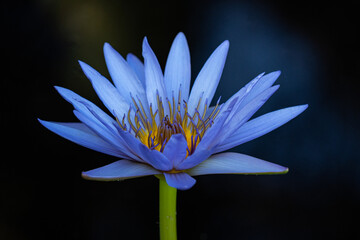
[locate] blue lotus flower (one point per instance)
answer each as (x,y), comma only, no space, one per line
(159,127)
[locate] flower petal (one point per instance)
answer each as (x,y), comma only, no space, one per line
(137,65)
(205,147)
(213,134)
(260,126)
(175,149)
(154,78)
(125,79)
(262,84)
(96,119)
(108,136)
(236,163)
(237,119)
(79,133)
(108,94)
(181,181)
(194,159)
(119,170)
(155,158)
(178,69)
(82,105)
(152,157)
(242,93)
(208,79)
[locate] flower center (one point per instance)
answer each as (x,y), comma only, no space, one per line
(155,129)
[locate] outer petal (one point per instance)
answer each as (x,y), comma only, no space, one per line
(137,66)
(105,90)
(236,163)
(208,79)
(82,105)
(106,135)
(79,133)
(181,181)
(237,119)
(125,79)
(260,126)
(154,78)
(244,91)
(240,95)
(175,149)
(119,170)
(178,69)
(264,83)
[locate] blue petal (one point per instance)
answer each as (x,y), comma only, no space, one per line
(175,149)
(105,134)
(125,79)
(79,133)
(178,69)
(208,79)
(245,113)
(154,78)
(108,94)
(260,126)
(155,158)
(240,95)
(213,134)
(137,66)
(181,181)
(236,163)
(244,91)
(194,159)
(119,170)
(205,147)
(264,83)
(82,105)
(152,157)
(96,119)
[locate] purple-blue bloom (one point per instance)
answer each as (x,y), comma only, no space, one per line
(158,126)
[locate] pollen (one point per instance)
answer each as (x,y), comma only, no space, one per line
(156,128)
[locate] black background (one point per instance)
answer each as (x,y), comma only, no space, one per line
(313,43)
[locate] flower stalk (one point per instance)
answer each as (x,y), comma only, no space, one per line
(167,210)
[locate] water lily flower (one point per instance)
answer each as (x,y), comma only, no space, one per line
(156,126)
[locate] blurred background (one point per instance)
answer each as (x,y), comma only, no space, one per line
(314,43)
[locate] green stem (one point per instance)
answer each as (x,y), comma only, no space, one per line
(167,210)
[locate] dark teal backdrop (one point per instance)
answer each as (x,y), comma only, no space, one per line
(313,43)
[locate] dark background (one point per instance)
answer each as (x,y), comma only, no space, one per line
(313,43)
